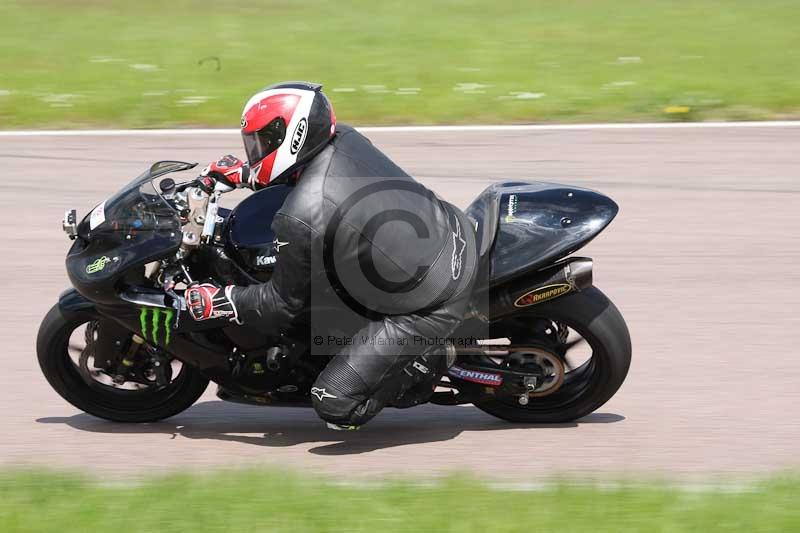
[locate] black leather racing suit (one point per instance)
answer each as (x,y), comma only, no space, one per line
(396,263)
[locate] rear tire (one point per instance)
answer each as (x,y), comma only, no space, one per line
(141,406)
(601,324)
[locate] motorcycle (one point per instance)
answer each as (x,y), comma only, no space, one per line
(121,346)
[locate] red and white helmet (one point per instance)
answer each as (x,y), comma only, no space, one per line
(283,126)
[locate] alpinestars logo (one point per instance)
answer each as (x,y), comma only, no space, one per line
(278,244)
(459,244)
(321,394)
(152,319)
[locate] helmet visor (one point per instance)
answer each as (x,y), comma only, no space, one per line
(263,142)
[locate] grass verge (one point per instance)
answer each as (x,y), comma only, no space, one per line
(270,501)
(80,63)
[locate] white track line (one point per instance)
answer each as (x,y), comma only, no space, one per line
(421,129)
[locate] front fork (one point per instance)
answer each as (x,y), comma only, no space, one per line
(156,325)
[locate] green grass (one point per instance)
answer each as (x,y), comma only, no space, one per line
(71,63)
(269,501)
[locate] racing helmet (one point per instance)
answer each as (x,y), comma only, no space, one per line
(283,126)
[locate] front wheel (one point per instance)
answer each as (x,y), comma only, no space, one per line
(584,321)
(70,358)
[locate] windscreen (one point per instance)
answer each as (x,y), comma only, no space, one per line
(136,209)
(138,206)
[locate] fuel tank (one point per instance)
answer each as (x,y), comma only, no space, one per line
(249,238)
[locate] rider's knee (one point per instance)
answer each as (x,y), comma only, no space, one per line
(340,396)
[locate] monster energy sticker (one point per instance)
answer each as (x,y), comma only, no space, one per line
(97,265)
(152,319)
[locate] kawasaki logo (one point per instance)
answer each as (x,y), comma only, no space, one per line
(152,324)
(266,260)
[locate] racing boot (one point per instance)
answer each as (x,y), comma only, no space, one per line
(420,377)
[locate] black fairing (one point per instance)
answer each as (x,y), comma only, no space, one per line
(249,237)
(139,226)
(124,257)
(529,225)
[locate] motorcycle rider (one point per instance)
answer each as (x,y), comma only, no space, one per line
(396,256)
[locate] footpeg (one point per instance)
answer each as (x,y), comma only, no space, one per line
(275,356)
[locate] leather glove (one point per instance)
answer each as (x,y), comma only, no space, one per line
(210,300)
(230,170)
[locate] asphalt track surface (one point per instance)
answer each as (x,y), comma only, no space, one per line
(702,261)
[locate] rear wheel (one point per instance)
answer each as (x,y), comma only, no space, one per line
(152,387)
(543,341)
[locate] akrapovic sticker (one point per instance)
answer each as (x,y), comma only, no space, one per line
(542,294)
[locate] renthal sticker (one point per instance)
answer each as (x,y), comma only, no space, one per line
(98,216)
(299,136)
(542,294)
(156,323)
(476,376)
(97,265)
